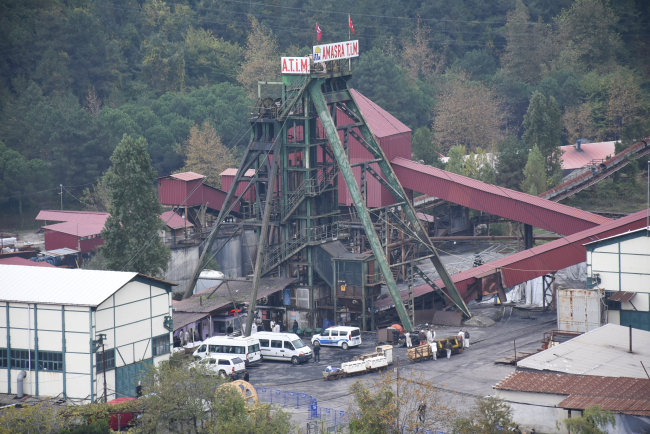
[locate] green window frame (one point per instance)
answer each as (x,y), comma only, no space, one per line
(160,345)
(110,361)
(3,358)
(51,361)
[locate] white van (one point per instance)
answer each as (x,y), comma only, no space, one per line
(339,336)
(284,347)
(247,348)
(223,364)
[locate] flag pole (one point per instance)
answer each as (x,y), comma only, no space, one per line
(350,59)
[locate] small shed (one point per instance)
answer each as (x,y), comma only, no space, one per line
(65,328)
(188,190)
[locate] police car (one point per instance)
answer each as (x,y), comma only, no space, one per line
(339,336)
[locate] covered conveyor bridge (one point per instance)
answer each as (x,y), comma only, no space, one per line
(493,199)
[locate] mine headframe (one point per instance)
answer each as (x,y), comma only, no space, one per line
(296,154)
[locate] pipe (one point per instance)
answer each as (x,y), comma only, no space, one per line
(19,384)
(29,343)
(630,326)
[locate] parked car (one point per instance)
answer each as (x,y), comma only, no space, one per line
(247,348)
(283,347)
(338,336)
(223,364)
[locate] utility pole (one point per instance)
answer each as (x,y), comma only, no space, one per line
(398,394)
(61,185)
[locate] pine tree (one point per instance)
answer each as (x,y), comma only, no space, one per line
(131,241)
(543,127)
(513,155)
(534,173)
(456,162)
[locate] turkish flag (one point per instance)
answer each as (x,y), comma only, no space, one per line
(351,26)
(319,34)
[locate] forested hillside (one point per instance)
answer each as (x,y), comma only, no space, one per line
(77,75)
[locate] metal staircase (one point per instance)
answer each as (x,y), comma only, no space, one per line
(309,188)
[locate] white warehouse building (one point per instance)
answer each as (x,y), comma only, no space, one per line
(53,322)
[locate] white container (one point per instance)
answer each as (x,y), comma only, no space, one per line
(376,362)
(352,367)
(208,279)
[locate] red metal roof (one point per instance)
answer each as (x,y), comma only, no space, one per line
(22,261)
(73,216)
(175,221)
(381,123)
(618,394)
(77,229)
(187,176)
(232,172)
(493,199)
(538,261)
(574,159)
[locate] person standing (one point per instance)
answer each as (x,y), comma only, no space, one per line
(277,327)
(253,329)
(246,377)
(431,336)
(466,339)
(187,337)
(448,347)
(272,325)
(230,329)
(423,337)
(316,353)
(461,337)
(295,326)
(407,336)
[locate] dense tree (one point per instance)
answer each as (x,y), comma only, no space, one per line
(467,114)
(594,420)
(20,178)
(488,415)
(456,161)
(543,128)
(512,156)
(424,148)
(535,181)
(479,64)
(131,240)
(260,58)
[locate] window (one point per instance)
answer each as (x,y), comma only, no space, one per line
(215,348)
(20,359)
(224,362)
(288,345)
(326,333)
(110,361)
(264,343)
(355,332)
(202,349)
(253,348)
(50,361)
(3,357)
(335,333)
(298,343)
(276,344)
(160,345)
(237,361)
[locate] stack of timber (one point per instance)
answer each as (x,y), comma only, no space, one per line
(419,354)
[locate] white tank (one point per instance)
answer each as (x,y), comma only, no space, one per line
(208,279)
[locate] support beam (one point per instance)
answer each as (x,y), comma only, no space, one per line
(355,193)
(529,241)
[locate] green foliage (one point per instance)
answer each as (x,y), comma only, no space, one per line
(489,415)
(20,178)
(534,173)
(424,148)
(456,162)
(476,165)
(512,156)
(131,241)
(543,128)
(594,420)
(95,427)
(480,64)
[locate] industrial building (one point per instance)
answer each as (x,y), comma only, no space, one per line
(620,265)
(65,328)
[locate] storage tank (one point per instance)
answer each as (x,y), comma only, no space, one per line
(208,279)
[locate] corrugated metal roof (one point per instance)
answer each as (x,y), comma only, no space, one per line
(61,252)
(232,172)
(574,159)
(602,351)
(187,176)
(240,289)
(637,407)
(381,123)
(25,262)
(181,319)
(62,285)
(77,229)
(585,385)
(425,217)
(622,296)
(494,200)
(538,261)
(73,216)
(175,221)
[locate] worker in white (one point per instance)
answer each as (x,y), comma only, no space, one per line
(187,337)
(253,328)
(272,325)
(276,328)
(407,336)
(461,337)
(431,336)
(466,339)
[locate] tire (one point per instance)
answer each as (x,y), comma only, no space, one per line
(295,360)
(345,345)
